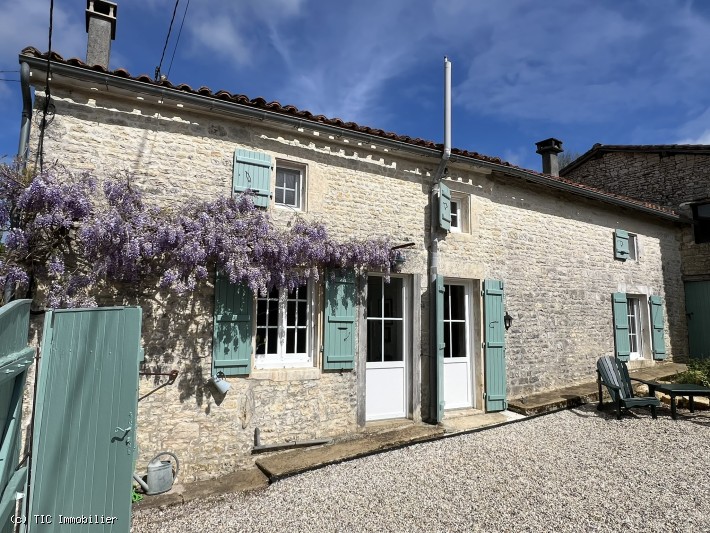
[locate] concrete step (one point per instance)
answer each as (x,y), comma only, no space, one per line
(576,395)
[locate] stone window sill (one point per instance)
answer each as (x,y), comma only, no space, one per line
(286,374)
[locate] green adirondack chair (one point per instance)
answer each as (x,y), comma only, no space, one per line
(613,374)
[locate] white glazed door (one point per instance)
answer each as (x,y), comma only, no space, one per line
(386,367)
(458,379)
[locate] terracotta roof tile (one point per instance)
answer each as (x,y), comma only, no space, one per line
(291,110)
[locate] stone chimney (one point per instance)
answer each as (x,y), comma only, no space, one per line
(101,27)
(548,149)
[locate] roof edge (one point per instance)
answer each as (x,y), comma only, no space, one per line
(259,109)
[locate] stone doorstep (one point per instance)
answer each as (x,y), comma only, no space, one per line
(576,395)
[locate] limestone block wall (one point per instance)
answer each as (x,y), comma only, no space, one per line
(668,179)
(555,255)
(554,252)
(357,191)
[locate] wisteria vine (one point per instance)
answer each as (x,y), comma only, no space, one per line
(71,235)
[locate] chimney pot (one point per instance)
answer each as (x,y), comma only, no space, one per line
(101,27)
(548,149)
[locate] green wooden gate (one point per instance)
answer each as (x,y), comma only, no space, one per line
(15,358)
(697,309)
(85,421)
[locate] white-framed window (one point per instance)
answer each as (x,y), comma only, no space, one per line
(633,247)
(455,321)
(284,328)
(633,315)
(459,212)
(289,186)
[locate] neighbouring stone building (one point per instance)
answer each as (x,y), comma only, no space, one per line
(674,176)
(547,251)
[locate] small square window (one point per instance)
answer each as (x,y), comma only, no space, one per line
(459,212)
(701,218)
(455,219)
(633,247)
(289,187)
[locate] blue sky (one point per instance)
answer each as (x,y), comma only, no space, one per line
(631,72)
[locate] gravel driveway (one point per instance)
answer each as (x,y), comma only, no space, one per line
(573,470)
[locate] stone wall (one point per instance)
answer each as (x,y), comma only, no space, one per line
(670,179)
(553,250)
(666,179)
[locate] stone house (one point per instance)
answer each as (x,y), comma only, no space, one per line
(555,255)
(674,176)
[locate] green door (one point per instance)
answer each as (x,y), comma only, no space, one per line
(697,310)
(85,421)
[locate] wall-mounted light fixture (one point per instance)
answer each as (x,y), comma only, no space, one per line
(507,320)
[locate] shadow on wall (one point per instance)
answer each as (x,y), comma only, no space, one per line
(177,334)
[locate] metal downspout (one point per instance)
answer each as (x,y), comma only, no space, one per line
(434,242)
(23,148)
(24,140)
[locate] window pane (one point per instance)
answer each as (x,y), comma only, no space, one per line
(393,345)
(273,312)
(458,302)
(301,340)
(458,339)
(291,313)
(272,341)
(279,196)
(447,340)
(374,297)
(289,198)
(279,179)
(302,313)
(290,181)
(447,303)
(290,340)
(393,298)
(704,210)
(374,341)
(261,312)
(454,214)
(260,341)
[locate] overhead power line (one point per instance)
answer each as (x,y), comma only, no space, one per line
(178,37)
(165,46)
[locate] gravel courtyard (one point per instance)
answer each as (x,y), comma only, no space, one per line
(573,470)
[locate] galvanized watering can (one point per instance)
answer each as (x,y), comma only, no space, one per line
(160,474)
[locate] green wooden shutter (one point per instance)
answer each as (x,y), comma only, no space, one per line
(339,333)
(621,326)
(658,329)
(436,366)
(252,170)
(621,244)
(232,343)
(444,207)
(494,352)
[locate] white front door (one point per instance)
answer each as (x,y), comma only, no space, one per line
(458,372)
(386,368)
